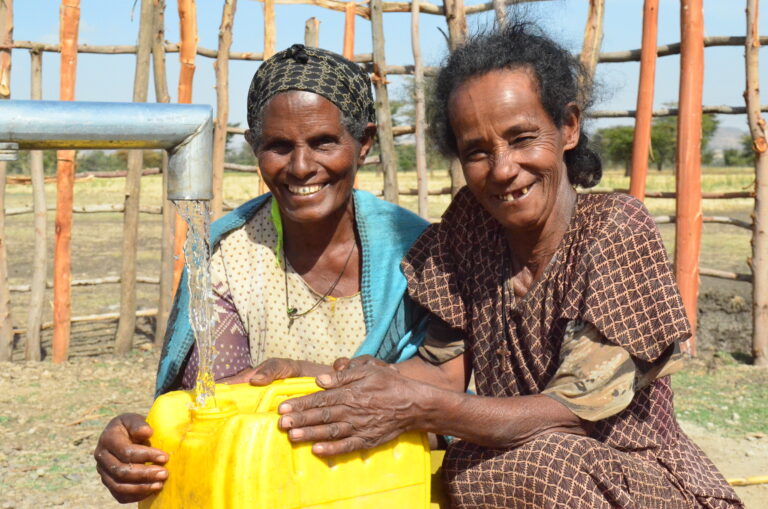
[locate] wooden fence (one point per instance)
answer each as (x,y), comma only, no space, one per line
(151,43)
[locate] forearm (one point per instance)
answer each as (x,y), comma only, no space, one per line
(493,422)
(449,375)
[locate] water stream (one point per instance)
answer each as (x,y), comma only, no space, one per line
(197,258)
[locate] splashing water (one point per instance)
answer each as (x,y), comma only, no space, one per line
(197,255)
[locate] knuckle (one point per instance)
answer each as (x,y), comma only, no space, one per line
(334,430)
(325,415)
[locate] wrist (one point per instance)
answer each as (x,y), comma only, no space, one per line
(432,405)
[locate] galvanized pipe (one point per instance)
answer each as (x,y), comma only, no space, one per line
(184,130)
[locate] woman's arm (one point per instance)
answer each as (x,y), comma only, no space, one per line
(367,405)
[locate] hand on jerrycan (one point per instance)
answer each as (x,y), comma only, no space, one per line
(122,452)
(122,456)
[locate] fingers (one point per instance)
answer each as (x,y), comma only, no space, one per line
(342,446)
(314,416)
(130,473)
(121,456)
(128,492)
(136,427)
(274,369)
(322,433)
(242,377)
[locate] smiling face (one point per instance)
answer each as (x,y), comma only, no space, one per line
(308,159)
(510,149)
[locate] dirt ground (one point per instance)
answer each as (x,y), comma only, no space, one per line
(52,416)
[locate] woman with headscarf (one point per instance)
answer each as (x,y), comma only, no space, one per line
(562,305)
(302,275)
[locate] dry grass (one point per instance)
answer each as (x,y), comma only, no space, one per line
(96,237)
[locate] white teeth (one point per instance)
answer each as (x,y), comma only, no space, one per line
(524,190)
(506,197)
(305,190)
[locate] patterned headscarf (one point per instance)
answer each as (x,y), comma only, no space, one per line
(316,70)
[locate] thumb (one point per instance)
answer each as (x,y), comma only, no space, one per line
(341,363)
(137,428)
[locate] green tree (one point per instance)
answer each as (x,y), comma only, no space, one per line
(615,144)
(664,139)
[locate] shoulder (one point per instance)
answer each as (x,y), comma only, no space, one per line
(375,214)
(613,214)
(236,218)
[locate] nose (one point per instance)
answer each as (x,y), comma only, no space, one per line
(504,165)
(302,163)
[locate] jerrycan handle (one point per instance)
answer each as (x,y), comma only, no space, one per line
(281,390)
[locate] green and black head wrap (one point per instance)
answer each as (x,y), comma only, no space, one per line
(315,70)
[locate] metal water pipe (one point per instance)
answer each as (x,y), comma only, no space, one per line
(184,130)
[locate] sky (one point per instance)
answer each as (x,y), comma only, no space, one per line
(113,22)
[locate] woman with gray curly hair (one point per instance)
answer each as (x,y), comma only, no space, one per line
(562,305)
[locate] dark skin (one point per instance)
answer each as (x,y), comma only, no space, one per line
(308,160)
(512,155)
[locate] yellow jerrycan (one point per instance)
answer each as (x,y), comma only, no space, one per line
(233,455)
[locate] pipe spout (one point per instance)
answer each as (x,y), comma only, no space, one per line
(184,130)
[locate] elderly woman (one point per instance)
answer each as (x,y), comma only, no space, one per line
(562,305)
(303,275)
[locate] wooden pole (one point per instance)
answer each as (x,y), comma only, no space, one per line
(418,86)
(188,19)
(222,105)
(456,17)
(312,33)
(688,230)
(383,113)
(500,10)
(6,323)
(641,144)
(127,323)
(593,38)
(39,254)
(757,128)
(269,28)
(6,32)
(269,50)
(165,292)
(349,30)
(65,172)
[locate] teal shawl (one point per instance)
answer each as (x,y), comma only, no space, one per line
(395,325)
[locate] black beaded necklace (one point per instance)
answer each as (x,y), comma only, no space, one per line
(294,313)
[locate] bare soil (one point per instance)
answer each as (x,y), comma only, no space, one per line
(52,416)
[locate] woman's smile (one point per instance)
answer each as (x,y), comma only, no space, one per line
(516,195)
(305,190)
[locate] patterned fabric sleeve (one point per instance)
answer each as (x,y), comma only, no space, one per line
(442,342)
(626,288)
(596,379)
(431,267)
(230,337)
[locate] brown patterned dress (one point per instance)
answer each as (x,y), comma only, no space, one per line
(610,270)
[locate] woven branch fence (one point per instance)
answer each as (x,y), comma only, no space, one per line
(151,52)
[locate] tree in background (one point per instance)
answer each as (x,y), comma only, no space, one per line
(742,156)
(615,143)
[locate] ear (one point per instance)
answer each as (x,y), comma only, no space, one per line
(249,138)
(571,128)
(366,142)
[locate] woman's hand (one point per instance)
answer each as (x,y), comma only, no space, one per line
(362,407)
(276,369)
(121,454)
